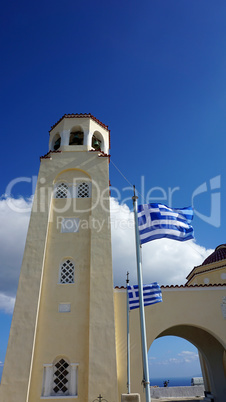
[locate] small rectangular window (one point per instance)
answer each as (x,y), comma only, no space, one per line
(64,307)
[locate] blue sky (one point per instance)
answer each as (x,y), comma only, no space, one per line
(154,71)
(173,357)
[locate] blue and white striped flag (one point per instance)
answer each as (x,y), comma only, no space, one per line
(152,294)
(156,221)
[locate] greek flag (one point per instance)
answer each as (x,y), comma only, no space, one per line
(152,294)
(156,221)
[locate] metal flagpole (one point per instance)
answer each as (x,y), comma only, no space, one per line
(146,381)
(128,337)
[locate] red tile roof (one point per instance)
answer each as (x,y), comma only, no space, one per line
(79,115)
(48,156)
(194,286)
(218,255)
(183,286)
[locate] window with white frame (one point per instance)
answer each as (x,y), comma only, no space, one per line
(60,378)
(67,272)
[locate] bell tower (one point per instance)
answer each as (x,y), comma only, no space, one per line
(62,338)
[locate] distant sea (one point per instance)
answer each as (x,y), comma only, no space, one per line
(173,381)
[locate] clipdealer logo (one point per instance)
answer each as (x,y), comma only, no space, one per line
(211,189)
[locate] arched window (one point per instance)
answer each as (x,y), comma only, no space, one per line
(67,272)
(76,138)
(62,191)
(83,190)
(60,379)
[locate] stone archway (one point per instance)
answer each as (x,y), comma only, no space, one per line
(212,355)
(193,313)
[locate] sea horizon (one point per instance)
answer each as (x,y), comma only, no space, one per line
(176,381)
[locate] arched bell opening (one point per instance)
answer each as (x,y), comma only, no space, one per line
(97,141)
(56,142)
(76,136)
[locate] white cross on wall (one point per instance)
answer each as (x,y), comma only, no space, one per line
(133,292)
(147,215)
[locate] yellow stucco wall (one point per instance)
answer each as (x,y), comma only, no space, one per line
(39,332)
(64,334)
(213,273)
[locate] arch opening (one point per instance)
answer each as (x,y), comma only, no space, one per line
(76,136)
(97,141)
(56,142)
(173,361)
(211,354)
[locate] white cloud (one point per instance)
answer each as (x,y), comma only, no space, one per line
(174,360)
(165,261)
(186,353)
(188,356)
(13,232)
(6,304)
(184,357)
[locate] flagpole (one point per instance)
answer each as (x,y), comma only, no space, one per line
(146,381)
(128,337)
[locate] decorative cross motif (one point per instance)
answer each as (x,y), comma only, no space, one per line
(100,399)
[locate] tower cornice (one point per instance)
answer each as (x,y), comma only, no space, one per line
(79,115)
